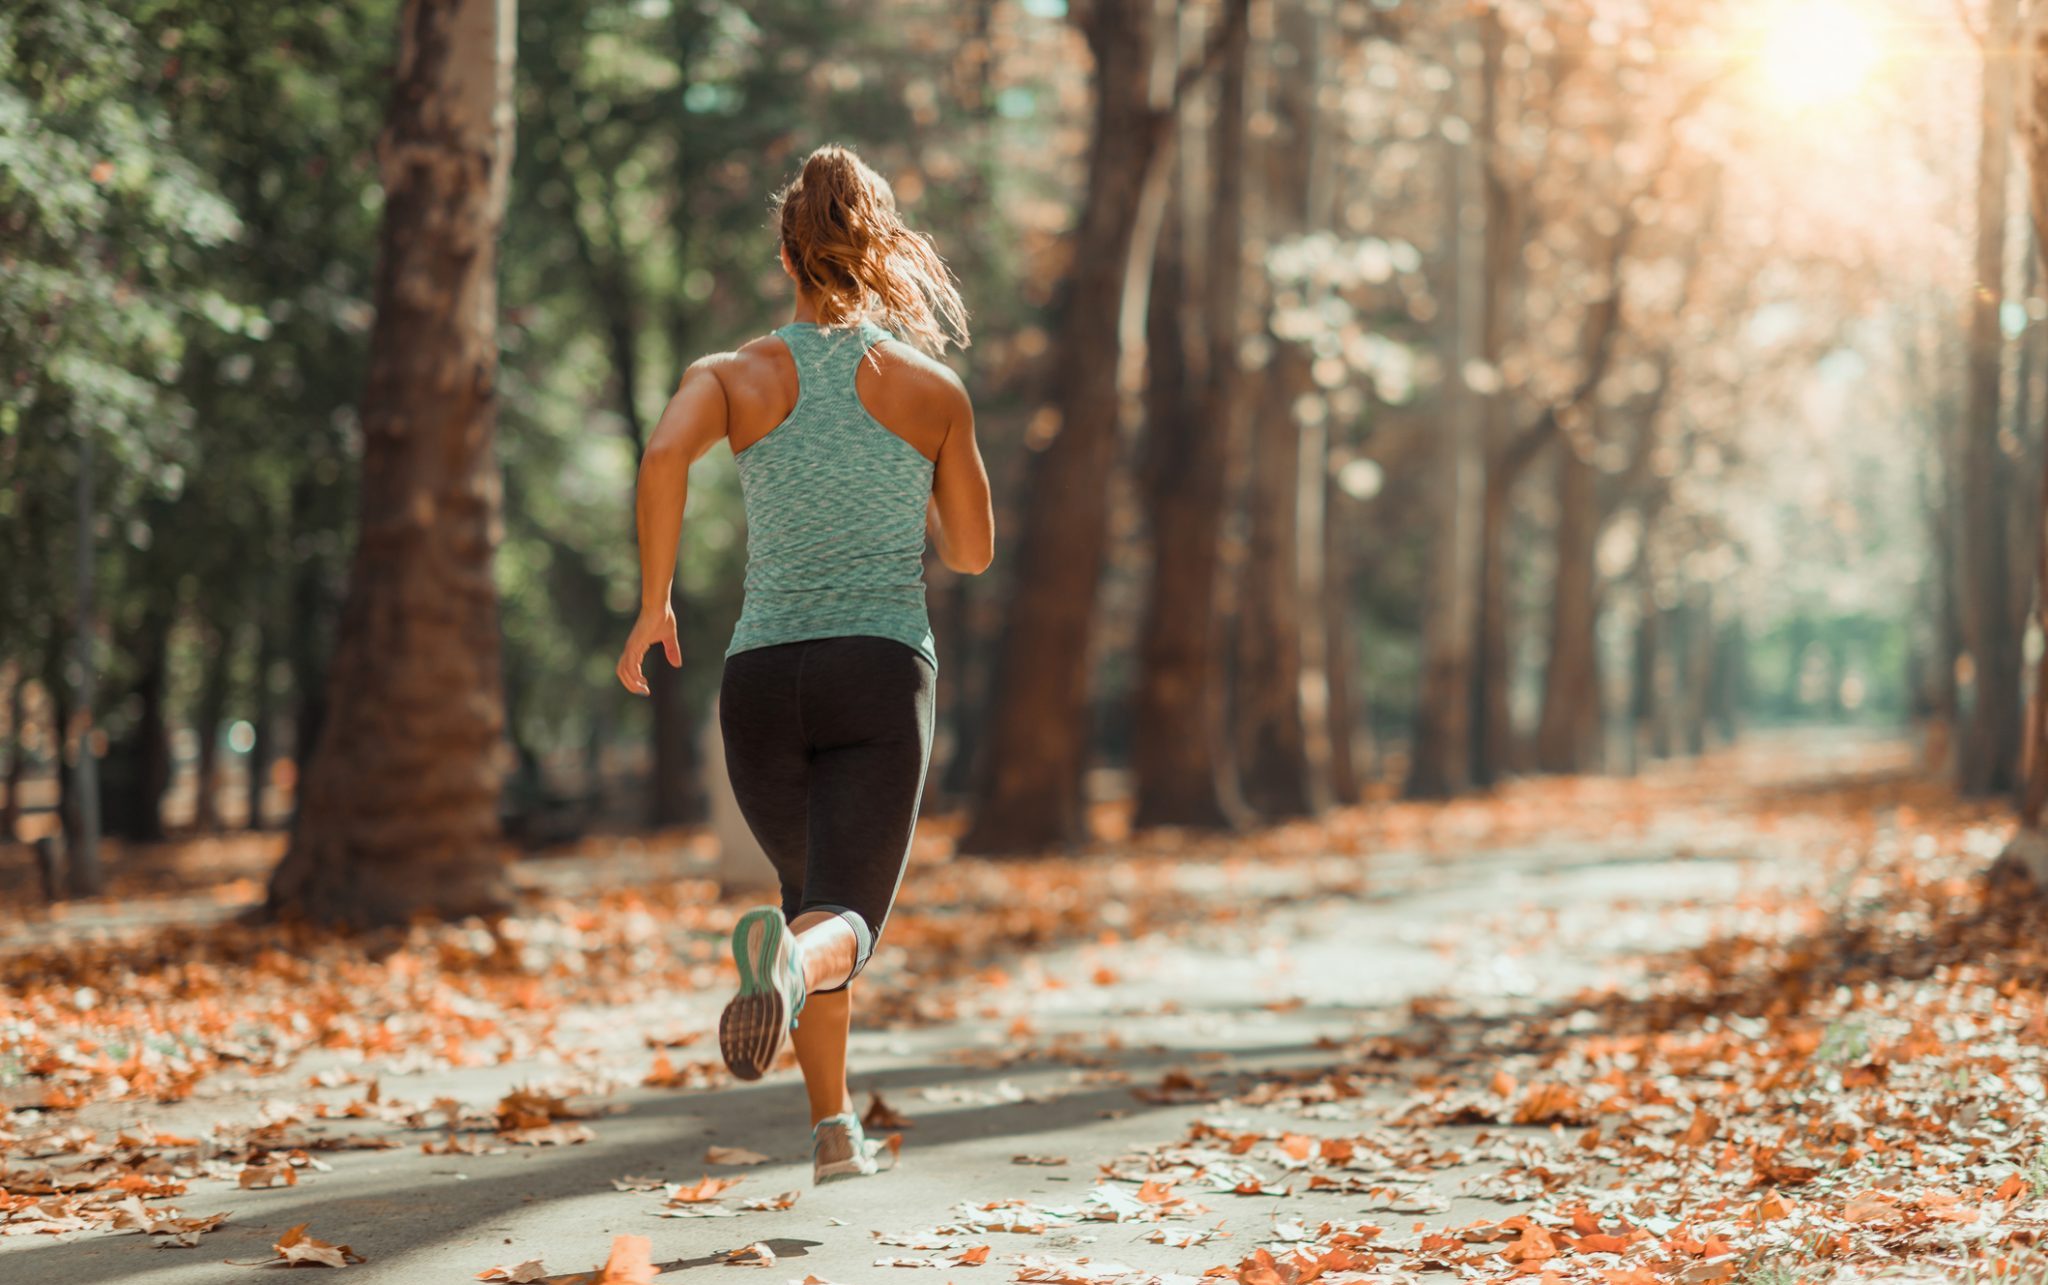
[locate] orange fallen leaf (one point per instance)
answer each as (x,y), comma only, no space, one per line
(522,1274)
(706,1188)
(880,1115)
(296,1247)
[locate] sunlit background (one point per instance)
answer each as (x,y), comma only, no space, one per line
(1691,285)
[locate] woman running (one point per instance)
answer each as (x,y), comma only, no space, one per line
(852,447)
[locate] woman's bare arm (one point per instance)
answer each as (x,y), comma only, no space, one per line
(692,423)
(961,518)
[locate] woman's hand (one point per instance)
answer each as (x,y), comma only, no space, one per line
(655,625)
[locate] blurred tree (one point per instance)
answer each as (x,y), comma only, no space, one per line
(1030,795)
(103,221)
(1181,777)
(1990,747)
(2025,859)
(1440,760)
(399,804)
(1280,742)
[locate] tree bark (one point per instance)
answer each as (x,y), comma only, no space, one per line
(1440,761)
(17,755)
(262,721)
(398,810)
(1493,668)
(1568,737)
(309,636)
(2025,860)
(1279,776)
(1493,734)
(138,767)
(1281,709)
(1990,746)
(1181,775)
(1340,647)
(207,717)
(1029,797)
(1645,663)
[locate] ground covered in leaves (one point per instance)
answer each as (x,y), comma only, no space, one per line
(1753,1020)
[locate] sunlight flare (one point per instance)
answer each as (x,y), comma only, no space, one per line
(1817,53)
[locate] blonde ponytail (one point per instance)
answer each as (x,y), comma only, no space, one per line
(855,255)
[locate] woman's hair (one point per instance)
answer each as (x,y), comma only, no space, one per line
(853,252)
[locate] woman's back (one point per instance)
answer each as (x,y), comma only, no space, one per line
(835,494)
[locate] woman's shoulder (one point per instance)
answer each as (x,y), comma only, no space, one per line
(917,373)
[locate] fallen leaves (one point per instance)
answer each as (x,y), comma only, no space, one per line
(296,1249)
(733,1156)
(523,1274)
(880,1115)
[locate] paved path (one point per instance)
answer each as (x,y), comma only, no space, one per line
(1265,992)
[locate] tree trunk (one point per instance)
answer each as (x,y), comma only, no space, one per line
(137,768)
(207,718)
(309,635)
(1440,761)
(1568,738)
(262,721)
(62,742)
(17,755)
(1181,776)
(1493,670)
(1029,796)
(1281,712)
(1645,663)
(398,811)
(1340,653)
(1279,777)
(2025,860)
(1990,746)
(1493,733)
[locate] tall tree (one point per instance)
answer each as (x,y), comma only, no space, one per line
(1282,753)
(1568,735)
(1181,776)
(398,810)
(1989,760)
(1440,762)
(2025,859)
(1028,798)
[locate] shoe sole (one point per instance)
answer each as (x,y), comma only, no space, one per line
(839,1173)
(751,1029)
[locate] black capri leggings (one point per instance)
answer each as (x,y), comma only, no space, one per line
(826,742)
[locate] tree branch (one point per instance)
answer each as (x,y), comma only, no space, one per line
(1236,17)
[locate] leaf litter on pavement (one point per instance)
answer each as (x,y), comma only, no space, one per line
(1847,1075)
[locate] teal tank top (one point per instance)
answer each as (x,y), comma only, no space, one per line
(835,510)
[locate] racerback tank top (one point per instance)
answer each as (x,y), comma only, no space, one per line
(835,509)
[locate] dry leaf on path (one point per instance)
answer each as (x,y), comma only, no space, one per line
(781,1200)
(525,1273)
(880,1115)
(733,1156)
(296,1247)
(550,1135)
(1038,1160)
(258,1177)
(754,1255)
(704,1189)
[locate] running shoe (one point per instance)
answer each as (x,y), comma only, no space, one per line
(771,993)
(840,1149)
